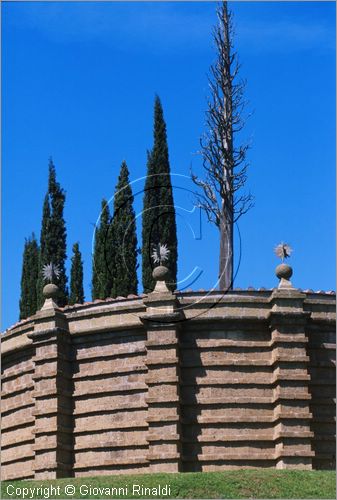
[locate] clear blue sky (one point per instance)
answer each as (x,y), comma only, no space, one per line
(78,84)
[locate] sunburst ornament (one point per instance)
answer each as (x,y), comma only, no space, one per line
(160,254)
(49,271)
(283,251)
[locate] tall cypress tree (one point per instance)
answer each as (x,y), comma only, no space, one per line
(58,233)
(159,222)
(53,236)
(30,269)
(44,257)
(76,277)
(102,263)
(124,238)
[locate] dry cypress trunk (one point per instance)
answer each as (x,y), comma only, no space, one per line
(224,160)
(226,253)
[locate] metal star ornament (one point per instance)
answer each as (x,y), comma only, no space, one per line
(49,271)
(160,254)
(283,251)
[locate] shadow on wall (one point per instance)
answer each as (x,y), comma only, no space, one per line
(214,428)
(322,353)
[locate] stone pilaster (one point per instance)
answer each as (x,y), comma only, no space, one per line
(292,433)
(162,325)
(53,445)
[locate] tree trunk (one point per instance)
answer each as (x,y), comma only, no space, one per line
(226,255)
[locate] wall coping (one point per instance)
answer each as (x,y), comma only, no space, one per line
(134,304)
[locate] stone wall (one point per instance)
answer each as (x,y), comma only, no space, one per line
(171,382)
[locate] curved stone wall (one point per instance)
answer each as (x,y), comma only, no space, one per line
(171,382)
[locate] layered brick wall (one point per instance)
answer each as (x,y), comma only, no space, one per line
(18,405)
(322,369)
(171,382)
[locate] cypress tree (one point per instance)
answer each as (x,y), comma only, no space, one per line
(30,268)
(53,236)
(102,264)
(159,224)
(76,277)
(58,233)
(44,257)
(124,238)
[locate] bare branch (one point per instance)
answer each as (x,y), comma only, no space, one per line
(224,162)
(224,159)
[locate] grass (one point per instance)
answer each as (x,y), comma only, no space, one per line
(228,484)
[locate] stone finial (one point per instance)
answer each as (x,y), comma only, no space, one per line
(160,274)
(50,293)
(283,271)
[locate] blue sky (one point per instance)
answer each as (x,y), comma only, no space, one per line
(78,84)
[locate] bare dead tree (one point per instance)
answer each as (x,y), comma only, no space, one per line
(224,161)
